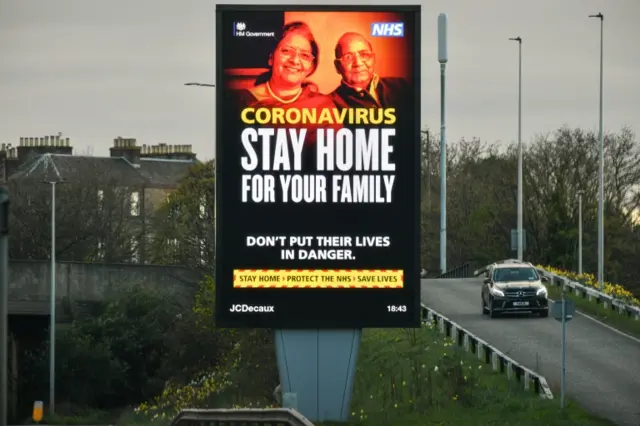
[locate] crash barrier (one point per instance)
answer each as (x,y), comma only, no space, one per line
(488,354)
(241,417)
(593,295)
(461,271)
(581,290)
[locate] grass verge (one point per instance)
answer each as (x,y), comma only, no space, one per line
(608,316)
(417,377)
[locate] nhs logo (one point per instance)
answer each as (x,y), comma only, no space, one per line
(387,29)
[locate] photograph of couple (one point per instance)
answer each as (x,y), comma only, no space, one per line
(341,67)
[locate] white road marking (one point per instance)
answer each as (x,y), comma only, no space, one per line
(615,330)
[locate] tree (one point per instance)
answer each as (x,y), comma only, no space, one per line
(184,228)
(481,200)
(95,219)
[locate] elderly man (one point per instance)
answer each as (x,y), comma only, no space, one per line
(361,87)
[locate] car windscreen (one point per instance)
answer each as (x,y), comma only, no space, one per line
(514,274)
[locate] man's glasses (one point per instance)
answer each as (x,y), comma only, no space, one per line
(290,52)
(350,57)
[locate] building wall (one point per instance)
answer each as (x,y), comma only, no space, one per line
(29,282)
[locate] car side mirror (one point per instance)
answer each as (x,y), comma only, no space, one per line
(544,280)
(487,280)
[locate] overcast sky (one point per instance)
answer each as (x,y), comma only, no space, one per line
(97,70)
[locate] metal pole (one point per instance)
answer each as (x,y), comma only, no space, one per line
(4,308)
(520,211)
(52,302)
(443,58)
(443,175)
(601,168)
(564,352)
(579,232)
(519,226)
(428,174)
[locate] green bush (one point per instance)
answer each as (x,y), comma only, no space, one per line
(141,345)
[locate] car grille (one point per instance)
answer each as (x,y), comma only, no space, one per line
(520,294)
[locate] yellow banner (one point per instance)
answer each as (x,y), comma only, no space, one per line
(318,278)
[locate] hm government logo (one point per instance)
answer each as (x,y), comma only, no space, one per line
(240,30)
(250,308)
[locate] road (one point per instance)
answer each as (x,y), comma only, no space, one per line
(602,369)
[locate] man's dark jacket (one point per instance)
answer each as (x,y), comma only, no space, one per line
(393,92)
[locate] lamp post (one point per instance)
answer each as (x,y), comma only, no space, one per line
(580,192)
(443,58)
(52,300)
(52,306)
(215,192)
(601,168)
(200,84)
(4,302)
(519,202)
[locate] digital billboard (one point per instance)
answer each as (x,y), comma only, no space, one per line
(317,166)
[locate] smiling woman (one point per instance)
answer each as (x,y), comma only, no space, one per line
(294,59)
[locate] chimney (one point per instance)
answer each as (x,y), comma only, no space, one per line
(127,149)
(168,152)
(29,147)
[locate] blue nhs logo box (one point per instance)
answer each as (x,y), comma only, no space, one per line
(387,29)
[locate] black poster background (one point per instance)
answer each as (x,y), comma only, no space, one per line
(315,308)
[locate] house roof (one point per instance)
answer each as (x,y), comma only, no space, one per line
(164,172)
(117,170)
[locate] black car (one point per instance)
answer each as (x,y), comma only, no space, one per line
(514,288)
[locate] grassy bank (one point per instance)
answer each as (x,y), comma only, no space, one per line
(608,316)
(417,377)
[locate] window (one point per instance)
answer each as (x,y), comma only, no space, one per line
(203,207)
(135,252)
(100,199)
(203,251)
(100,250)
(135,203)
(515,274)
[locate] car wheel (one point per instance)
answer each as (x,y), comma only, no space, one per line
(544,314)
(492,313)
(484,306)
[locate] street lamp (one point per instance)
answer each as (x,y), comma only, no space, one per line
(200,84)
(601,168)
(580,192)
(443,58)
(519,202)
(215,192)
(4,302)
(52,301)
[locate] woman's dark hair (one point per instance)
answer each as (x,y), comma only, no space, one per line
(305,31)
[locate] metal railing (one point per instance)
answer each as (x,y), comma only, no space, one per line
(241,417)
(488,354)
(593,295)
(461,271)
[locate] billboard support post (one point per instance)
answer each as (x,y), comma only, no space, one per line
(316,369)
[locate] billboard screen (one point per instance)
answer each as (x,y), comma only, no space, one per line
(318,158)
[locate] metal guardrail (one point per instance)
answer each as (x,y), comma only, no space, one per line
(592,294)
(488,354)
(581,290)
(461,271)
(241,417)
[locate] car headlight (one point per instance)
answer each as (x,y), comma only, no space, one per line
(497,292)
(542,292)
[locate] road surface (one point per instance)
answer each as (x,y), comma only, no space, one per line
(602,368)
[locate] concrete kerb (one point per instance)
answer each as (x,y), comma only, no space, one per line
(487,353)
